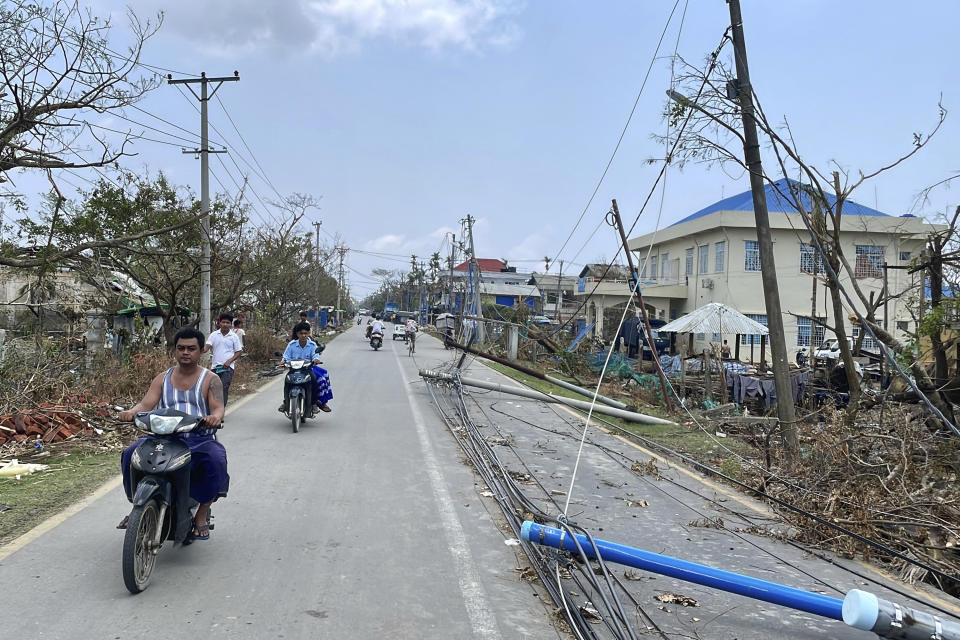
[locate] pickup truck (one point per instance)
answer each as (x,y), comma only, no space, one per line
(399,331)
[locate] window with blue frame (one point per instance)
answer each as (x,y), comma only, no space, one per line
(719,253)
(754,338)
(704,258)
(689,262)
(808,330)
(751,257)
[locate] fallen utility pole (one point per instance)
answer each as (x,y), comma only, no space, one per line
(643,309)
(540,376)
(546,397)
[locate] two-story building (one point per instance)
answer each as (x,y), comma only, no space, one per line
(713,256)
(495,284)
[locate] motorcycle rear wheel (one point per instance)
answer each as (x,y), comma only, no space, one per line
(139,552)
(295,414)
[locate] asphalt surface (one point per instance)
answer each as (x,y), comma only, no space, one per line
(366,524)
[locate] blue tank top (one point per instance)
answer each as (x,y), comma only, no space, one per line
(190,401)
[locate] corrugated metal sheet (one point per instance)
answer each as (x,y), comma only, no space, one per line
(715,317)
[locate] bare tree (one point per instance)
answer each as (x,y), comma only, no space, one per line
(711,134)
(58,70)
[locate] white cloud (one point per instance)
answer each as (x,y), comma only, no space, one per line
(388,241)
(229,27)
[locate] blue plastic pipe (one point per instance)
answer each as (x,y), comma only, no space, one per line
(689,571)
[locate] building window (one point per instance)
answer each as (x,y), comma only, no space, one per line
(689,263)
(716,338)
(754,339)
(700,337)
(904,256)
(868,342)
(653,268)
(643,268)
(751,259)
(903,325)
(804,333)
(665,266)
(869,261)
(673,313)
(807,262)
(719,249)
(704,257)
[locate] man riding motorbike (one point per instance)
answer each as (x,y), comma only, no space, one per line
(303,348)
(196,391)
(375,327)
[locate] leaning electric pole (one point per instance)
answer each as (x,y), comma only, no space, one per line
(203,152)
(768,271)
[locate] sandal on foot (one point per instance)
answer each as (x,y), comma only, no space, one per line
(200,532)
(325,408)
(123,523)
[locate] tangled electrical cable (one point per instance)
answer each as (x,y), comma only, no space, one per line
(594,600)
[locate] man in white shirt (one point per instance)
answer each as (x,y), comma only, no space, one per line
(226,347)
(238,329)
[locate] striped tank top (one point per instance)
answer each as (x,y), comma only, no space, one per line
(190,401)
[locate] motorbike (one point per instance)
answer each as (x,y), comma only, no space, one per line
(376,340)
(298,386)
(448,338)
(160,477)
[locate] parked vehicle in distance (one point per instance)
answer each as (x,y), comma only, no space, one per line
(830,349)
(661,343)
(541,320)
(399,331)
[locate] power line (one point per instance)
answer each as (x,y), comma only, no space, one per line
(623,132)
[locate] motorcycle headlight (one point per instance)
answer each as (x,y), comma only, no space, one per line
(164,425)
(296,364)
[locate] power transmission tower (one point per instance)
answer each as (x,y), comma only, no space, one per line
(204,152)
(768,270)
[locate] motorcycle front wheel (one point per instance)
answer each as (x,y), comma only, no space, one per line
(139,546)
(295,414)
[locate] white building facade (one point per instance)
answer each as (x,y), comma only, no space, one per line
(713,256)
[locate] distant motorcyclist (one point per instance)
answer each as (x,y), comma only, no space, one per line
(375,327)
(303,348)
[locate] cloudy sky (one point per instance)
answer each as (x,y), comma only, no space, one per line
(407,115)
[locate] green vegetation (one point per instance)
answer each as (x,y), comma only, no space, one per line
(687,439)
(36,497)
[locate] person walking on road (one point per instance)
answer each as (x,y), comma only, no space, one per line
(227,348)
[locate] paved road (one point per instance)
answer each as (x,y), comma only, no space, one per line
(366,524)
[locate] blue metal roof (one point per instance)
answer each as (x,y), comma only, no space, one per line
(777,203)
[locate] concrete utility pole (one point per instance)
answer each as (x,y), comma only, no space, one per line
(204,151)
(559,302)
(768,270)
(453,250)
(316,262)
(476,309)
(654,355)
(343,253)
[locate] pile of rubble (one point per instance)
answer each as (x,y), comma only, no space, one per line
(46,423)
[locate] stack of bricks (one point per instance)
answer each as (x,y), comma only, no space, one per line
(47,423)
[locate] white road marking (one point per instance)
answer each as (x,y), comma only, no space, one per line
(474,597)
